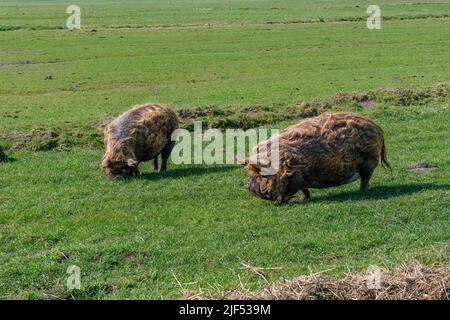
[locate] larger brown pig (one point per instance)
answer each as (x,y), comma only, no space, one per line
(139,134)
(325,151)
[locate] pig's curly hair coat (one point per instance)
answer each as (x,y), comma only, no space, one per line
(339,139)
(138,134)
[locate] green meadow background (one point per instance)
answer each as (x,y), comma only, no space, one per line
(196,223)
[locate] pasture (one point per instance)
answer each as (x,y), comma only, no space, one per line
(193,227)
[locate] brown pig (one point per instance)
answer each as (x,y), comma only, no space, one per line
(325,151)
(140,134)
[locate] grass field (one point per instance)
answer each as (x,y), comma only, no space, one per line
(196,224)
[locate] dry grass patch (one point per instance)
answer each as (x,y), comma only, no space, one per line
(413,282)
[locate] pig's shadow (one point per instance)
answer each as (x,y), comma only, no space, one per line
(380,192)
(174,173)
(7,159)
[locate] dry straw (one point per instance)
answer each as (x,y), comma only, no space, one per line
(413,282)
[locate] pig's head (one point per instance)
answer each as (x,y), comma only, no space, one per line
(119,163)
(262,186)
(264,181)
(119,169)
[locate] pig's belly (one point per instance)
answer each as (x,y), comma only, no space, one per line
(147,156)
(331,169)
(149,151)
(331,181)
(299,182)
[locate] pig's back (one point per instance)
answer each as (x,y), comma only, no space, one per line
(150,126)
(328,150)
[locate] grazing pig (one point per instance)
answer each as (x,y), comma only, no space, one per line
(139,134)
(325,151)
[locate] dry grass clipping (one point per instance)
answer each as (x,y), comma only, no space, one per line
(414,282)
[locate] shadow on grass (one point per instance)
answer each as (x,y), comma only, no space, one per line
(3,157)
(7,159)
(185,172)
(381,192)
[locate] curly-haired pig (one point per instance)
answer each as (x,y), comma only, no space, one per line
(138,135)
(325,151)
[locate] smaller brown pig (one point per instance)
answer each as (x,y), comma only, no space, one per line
(140,134)
(325,151)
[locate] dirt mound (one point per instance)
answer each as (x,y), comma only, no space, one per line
(36,140)
(410,96)
(414,282)
(241,117)
(362,99)
(41,139)
(393,96)
(255,116)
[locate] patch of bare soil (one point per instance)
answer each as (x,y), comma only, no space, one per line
(414,282)
(368,104)
(421,167)
(128,256)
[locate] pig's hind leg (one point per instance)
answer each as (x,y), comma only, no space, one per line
(306,195)
(155,164)
(365,172)
(165,154)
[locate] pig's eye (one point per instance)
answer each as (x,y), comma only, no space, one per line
(119,167)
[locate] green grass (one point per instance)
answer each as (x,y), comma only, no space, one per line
(162,13)
(197,222)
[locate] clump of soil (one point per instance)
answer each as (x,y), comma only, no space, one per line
(421,167)
(414,282)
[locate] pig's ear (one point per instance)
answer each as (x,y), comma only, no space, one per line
(105,163)
(263,162)
(242,161)
(287,174)
(132,163)
(252,167)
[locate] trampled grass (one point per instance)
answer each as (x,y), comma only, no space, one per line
(196,222)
